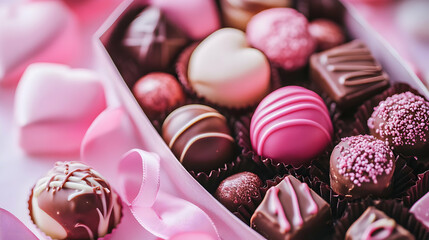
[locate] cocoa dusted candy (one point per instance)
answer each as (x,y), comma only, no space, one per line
(199,137)
(291,210)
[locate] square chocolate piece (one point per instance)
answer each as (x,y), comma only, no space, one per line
(348,73)
(375,224)
(291,210)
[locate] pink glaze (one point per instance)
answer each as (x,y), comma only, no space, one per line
(278,209)
(420,209)
(291,125)
(282,35)
(51,41)
(198,18)
(54,106)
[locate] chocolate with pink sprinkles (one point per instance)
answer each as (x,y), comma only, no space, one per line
(402,121)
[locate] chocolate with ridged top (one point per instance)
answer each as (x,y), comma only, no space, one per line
(375,224)
(199,137)
(153,40)
(73,201)
(291,210)
(348,73)
(360,166)
(238,189)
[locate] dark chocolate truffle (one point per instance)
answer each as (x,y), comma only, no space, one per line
(327,33)
(199,137)
(153,40)
(375,224)
(238,189)
(360,166)
(74,202)
(291,210)
(349,74)
(402,121)
(158,93)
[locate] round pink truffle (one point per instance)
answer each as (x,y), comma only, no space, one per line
(291,125)
(282,35)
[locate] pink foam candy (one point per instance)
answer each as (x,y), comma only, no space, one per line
(291,125)
(196,17)
(54,106)
(35,32)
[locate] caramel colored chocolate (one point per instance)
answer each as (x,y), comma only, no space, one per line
(375,224)
(199,137)
(237,13)
(348,73)
(153,40)
(291,210)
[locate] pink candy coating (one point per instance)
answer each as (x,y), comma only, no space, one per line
(291,125)
(282,35)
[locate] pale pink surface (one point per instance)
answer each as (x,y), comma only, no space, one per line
(420,209)
(282,35)
(12,228)
(198,18)
(291,125)
(21,22)
(54,107)
(191,236)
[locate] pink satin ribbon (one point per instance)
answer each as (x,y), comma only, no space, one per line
(158,212)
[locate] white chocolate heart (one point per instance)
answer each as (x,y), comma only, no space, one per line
(32,32)
(54,107)
(226,71)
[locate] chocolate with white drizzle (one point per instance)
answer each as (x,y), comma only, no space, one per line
(73,201)
(348,73)
(375,224)
(291,210)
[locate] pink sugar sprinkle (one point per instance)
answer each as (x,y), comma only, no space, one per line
(406,119)
(365,159)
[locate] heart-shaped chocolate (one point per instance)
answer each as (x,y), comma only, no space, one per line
(34,32)
(226,71)
(54,106)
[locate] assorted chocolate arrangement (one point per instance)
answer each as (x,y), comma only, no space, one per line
(73,201)
(287,121)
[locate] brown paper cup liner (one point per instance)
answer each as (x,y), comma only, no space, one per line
(182,75)
(392,208)
(105,237)
(418,190)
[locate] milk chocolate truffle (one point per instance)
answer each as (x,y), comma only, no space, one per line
(348,73)
(375,224)
(402,121)
(238,189)
(360,166)
(291,210)
(199,137)
(237,13)
(157,93)
(327,33)
(73,201)
(153,40)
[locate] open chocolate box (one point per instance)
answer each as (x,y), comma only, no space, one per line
(188,188)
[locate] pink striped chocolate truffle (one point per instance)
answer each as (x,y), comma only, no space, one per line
(360,166)
(402,122)
(291,125)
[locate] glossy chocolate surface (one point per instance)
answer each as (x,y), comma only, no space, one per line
(348,73)
(327,33)
(153,40)
(238,189)
(199,137)
(74,202)
(291,210)
(375,224)
(157,93)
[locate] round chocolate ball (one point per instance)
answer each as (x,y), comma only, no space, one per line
(74,202)
(157,93)
(327,33)
(238,190)
(199,137)
(360,166)
(402,121)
